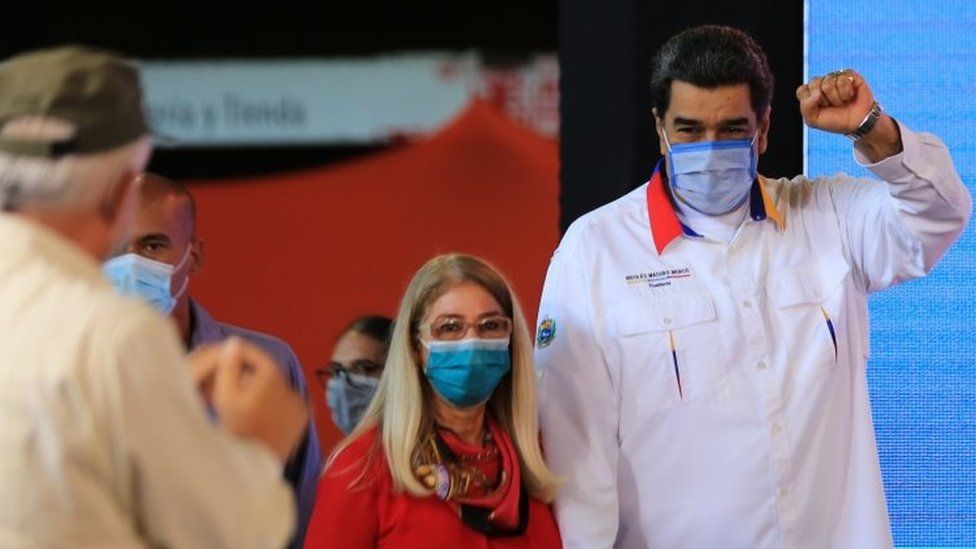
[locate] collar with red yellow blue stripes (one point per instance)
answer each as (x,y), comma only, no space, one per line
(665,225)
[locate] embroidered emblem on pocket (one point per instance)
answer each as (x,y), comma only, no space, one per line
(546,333)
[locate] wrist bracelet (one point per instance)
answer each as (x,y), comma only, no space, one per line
(866,125)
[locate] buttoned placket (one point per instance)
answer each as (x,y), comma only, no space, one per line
(748,294)
(750,300)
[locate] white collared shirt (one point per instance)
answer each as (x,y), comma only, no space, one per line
(722,227)
(703,394)
(104,441)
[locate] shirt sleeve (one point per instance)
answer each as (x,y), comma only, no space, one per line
(194,484)
(346,514)
(305,464)
(578,406)
(898,228)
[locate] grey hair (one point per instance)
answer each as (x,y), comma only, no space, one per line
(69,182)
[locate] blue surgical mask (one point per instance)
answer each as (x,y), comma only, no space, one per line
(713,177)
(348,396)
(134,275)
(466,372)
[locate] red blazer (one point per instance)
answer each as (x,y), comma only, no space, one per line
(371,515)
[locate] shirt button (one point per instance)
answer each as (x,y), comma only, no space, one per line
(761,365)
(667,320)
(784,491)
(747,304)
(776,428)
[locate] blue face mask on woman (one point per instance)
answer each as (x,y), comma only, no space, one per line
(713,177)
(466,372)
(134,275)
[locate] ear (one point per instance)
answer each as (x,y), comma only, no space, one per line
(419,354)
(320,375)
(763,140)
(121,199)
(196,255)
(659,128)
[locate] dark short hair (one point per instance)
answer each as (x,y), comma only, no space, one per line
(155,186)
(710,56)
(375,326)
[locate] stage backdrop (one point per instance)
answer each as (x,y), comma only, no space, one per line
(299,255)
(920,58)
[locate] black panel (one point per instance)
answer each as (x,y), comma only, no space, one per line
(608,142)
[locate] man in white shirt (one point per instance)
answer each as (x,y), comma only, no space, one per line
(105,440)
(702,340)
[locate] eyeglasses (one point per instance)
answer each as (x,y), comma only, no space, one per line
(363,366)
(452,328)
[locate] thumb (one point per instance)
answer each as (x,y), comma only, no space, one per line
(810,101)
(203,363)
(230,370)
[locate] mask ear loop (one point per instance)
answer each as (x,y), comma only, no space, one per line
(186,256)
(186,281)
(667,141)
(669,165)
(182,290)
(754,156)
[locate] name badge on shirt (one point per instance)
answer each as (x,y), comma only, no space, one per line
(657,279)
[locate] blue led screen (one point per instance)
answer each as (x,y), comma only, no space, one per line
(920,59)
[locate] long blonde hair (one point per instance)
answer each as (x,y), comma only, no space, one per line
(402,410)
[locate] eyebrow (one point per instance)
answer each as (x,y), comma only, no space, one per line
(681,121)
(155,236)
(736,122)
(461,317)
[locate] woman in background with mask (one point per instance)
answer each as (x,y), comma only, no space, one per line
(353,373)
(447,454)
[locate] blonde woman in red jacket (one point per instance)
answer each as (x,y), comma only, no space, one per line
(447,455)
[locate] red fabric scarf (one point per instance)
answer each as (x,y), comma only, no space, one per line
(486,476)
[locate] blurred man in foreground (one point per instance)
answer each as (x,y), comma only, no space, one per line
(104,439)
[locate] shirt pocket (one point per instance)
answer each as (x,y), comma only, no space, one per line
(671,351)
(807,310)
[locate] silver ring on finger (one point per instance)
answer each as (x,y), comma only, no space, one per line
(843,72)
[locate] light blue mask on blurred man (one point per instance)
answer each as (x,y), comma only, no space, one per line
(134,275)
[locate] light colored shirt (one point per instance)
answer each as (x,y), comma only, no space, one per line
(304,466)
(104,441)
(715,227)
(698,393)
